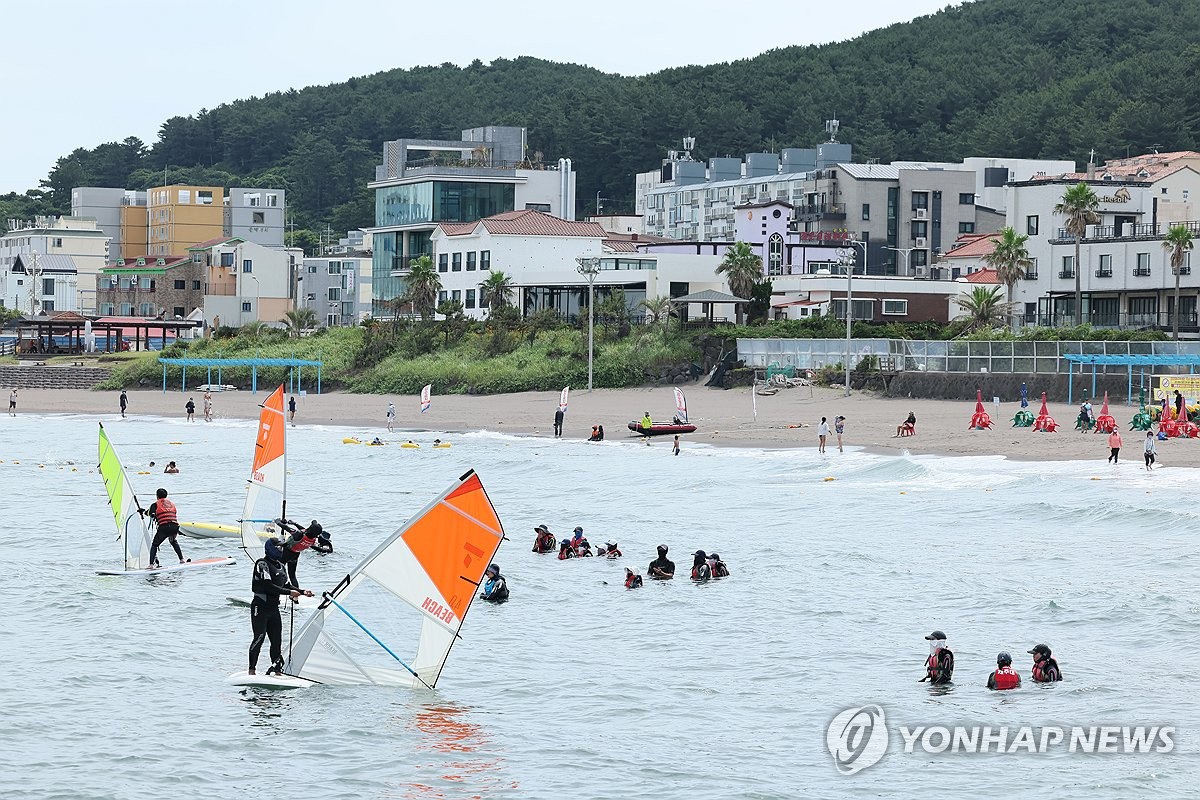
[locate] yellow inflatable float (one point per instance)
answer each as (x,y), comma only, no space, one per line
(410,445)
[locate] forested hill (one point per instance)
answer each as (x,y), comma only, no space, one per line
(1003,77)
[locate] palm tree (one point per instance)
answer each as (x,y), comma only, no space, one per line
(1009,258)
(742,268)
(1078,205)
(983,308)
(661,309)
(253,329)
(1177,242)
(497,291)
(299,319)
(423,286)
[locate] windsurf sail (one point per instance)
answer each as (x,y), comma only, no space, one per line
(135,539)
(562,399)
(266,496)
(681,404)
(434,565)
(425,397)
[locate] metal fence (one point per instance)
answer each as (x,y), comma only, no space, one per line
(951,356)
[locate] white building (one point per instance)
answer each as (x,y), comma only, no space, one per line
(337,288)
(245,281)
(70,250)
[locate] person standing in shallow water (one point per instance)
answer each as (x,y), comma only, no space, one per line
(558,421)
(822,435)
(1148,449)
(208,415)
(1114,446)
(190,408)
(939,667)
(677,444)
(839,427)
(662,567)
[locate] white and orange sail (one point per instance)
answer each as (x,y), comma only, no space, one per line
(266,496)
(434,565)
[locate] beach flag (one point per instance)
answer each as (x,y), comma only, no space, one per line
(562,399)
(681,404)
(425,397)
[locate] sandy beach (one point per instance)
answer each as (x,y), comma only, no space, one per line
(788,419)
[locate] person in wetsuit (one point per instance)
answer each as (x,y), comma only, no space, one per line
(545,542)
(717,566)
(662,567)
(1005,677)
(295,541)
(495,587)
(1045,668)
(323,544)
(939,667)
(700,568)
(565,550)
(269,582)
(166,518)
(632,579)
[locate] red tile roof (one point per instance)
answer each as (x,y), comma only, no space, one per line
(214,242)
(973,245)
(527,223)
(983,276)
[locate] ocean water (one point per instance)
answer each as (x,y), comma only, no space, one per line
(114,687)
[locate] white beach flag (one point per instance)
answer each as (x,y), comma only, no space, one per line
(680,404)
(425,397)
(562,399)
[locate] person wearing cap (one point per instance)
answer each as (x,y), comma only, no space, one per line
(270,580)
(166,518)
(611,550)
(700,568)
(495,588)
(580,544)
(939,667)
(296,540)
(717,567)
(661,568)
(323,544)
(545,541)
(565,550)
(632,579)
(1005,677)
(1045,668)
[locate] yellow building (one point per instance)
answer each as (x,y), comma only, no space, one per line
(173,219)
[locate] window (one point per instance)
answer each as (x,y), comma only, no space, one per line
(258,217)
(226,259)
(543,207)
(247,265)
(204,198)
(107,309)
(1143,265)
(866,211)
(964,199)
(272,200)
(966,227)
(331,320)
(895,307)
(56,242)
(47,305)
(863,309)
(775,255)
(146,309)
(126,309)
(334,293)
(456,263)
(920,200)
(443,262)
(470,298)
(185,197)
(180,284)
(1031,225)
(920,229)
(334,268)
(48,286)
(178,311)
(312,269)
(196,285)
(471,261)
(1104,270)
(443,296)
(456,295)
(485,259)
(253,199)
(246,306)
(1068,267)
(918,258)
(1031,270)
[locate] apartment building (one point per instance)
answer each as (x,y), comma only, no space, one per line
(61,255)
(337,288)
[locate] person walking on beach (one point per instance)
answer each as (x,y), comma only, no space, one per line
(391,417)
(822,435)
(1148,449)
(1114,445)
(647,423)
(839,427)
(166,518)
(190,408)
(677,444)
(12,402)
(208,406)
(292,410)
(124,401)
(558,421)
(1178,406)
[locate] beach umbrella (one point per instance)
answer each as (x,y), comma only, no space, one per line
(1024,395)
(1045,412)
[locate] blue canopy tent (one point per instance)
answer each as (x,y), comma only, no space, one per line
(294,365)
(1129,362)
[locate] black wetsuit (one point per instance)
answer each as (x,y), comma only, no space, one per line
(661,567)
(270,582)
(166,531)
(322,546)
(1046,671)
(495,590)
(558,421)
(942,670)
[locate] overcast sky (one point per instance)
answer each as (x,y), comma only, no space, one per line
(82,73)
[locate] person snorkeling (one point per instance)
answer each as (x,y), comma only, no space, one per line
(1005,677)
(939,667)
(1045,668)
(495,587)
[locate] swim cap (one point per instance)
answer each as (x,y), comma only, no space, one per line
(1003,659)
(492,568)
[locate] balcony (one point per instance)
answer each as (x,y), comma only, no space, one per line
(1031,274)
(402,265)
(1066,273)
(1141,272)
(1104,273)
(1141,230)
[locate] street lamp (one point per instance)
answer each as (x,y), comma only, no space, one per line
(848,258)
(257,291)
(589,267)
(905,251)
(598,205)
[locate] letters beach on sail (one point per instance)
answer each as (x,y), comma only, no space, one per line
(433,565)
(127,513)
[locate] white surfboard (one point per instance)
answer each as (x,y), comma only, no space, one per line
(210,530)
(262,681)
(199,563)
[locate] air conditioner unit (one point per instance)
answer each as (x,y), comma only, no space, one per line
(921,271)
(920,242)
(921,213)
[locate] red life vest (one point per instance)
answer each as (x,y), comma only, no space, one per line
(1006,678)
(565,553)
(303,544)
(165,511)
(1046,671)
(613,553)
